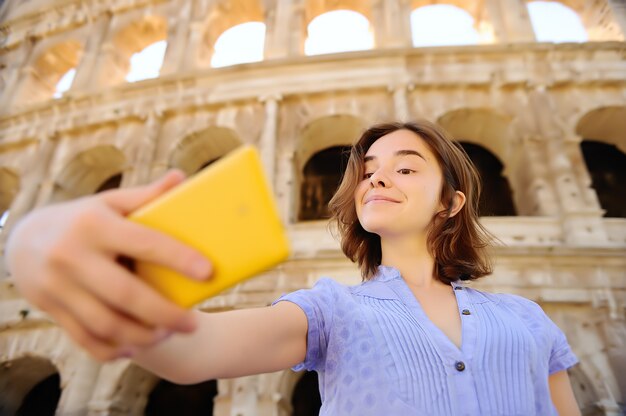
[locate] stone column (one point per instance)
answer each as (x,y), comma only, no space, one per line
(194,42)
(510,20)
(275,44)
(400,101)
(285,181)
(14,79)
(581,174)
(268,135)
(530,178)
(31,182)
(618,10)
(30,186)
(245,396)
(391,20)
(582,224)
(285,33)
(85,72)
(143,161)
(177,39)
(196,53)
(81,377)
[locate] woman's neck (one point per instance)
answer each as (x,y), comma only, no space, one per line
(411,257)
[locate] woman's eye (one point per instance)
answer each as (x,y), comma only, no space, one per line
(367,175)
(405,171)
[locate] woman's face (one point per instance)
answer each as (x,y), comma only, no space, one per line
(400,189)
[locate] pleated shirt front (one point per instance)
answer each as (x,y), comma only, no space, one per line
(377,353)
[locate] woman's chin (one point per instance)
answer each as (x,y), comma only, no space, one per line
(380,228)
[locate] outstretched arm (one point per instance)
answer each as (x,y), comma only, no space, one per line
(232,344)
(64,260)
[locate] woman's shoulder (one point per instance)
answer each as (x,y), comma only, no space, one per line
(338,289)
(515,303)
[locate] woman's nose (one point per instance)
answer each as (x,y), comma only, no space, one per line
(378,181)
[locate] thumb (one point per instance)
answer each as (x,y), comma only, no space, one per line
(127,200)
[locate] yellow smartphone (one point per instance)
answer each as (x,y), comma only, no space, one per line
(227,212)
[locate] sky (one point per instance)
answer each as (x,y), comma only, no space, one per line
(344,30)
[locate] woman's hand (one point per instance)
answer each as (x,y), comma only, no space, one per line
(64,260)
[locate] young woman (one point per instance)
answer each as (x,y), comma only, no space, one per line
(412,339)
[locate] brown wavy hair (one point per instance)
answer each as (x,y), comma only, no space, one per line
(459,244)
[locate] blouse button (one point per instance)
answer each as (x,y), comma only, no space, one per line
(459,365)
(466,312)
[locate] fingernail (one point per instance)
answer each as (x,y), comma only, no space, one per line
(127,352)
(161,334)
(201,268)
(187,324)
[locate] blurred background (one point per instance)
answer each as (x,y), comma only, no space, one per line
(96,95)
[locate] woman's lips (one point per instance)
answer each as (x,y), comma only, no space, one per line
(379,198)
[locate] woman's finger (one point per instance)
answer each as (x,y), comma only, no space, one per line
(140,242)
(122,291)
(97,348)
(107,324)
(126,200)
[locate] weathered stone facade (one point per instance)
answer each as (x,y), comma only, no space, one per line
(530,104)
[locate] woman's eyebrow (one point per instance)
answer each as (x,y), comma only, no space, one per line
(410,152)
(398,153)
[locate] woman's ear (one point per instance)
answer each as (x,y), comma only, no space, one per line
(457,203)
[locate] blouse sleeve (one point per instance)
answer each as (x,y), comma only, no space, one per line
(548,334)
(318,304)
(561,355)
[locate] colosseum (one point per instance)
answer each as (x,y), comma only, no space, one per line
(542,114)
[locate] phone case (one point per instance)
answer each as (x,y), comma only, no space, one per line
(227,212)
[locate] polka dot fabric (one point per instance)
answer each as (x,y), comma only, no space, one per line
(377,353)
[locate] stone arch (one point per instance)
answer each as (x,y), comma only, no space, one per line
(542,15)
(603,147)
(223,16)
(325,132)
(286,387)
(475,9)
(599,22)
(328,40)
(167,398)
(29,384)
(305,399)
(9,187)
(606,124)
(132,38)
(314,8)
(196,150)
(326,137)
(492,132)
(483,126)
(605,165)
(226,51)
(88,171)
(496,198)
(325,33)
(129,391)
(321,177)
(32,359)
(46,70)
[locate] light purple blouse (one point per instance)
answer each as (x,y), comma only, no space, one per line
(377,353)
